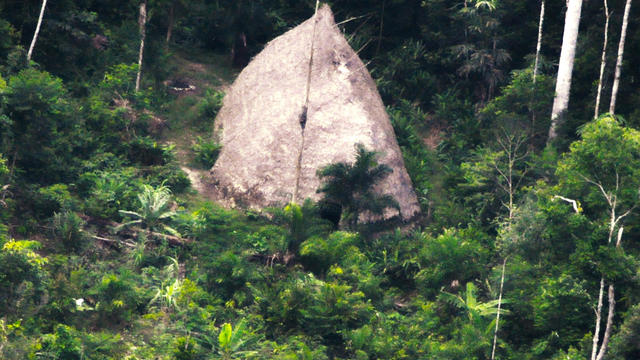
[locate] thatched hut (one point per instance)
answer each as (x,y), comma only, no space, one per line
(302,103)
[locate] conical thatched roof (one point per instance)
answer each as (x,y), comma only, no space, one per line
(260,123)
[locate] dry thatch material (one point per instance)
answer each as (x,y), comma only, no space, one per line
(267,155)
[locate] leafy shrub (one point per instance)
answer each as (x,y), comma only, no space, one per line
(144,150)
(63,344)
(562,306)
(45,126)
(185,348)
(319,253)
(210,105)
(119,83)
(67,227)
(626,343)
(22,275)
(228,275)
(394,336)
(171,175)
(334,307)
(301,222)
(211,221)
(53,198)
(117,298)
(110,191)
(206,152)
(8,35)
(304,303)
(400,74)
(68,343)
(455,255)
(268,240)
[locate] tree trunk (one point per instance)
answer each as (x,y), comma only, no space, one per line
(603,59)
(607,331)
(596,334)
(171,21)
(35,34)
(565,69)
(623,36)
(539,44)
(142,22)
(612,308)
(532,135)
(495,333)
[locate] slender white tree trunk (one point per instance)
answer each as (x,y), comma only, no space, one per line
(536,65)
(35,35)
(596,334)
(623,36)
(603,59)
(142,22)
(565,69)
(607,332)
(495,332)
(539,44)
(612,307)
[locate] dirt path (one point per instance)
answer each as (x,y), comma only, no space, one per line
(196,176)
(213,73)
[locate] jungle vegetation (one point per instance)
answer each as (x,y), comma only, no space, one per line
(527,244)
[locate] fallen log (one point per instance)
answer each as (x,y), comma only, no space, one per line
(111,241)
(133,231)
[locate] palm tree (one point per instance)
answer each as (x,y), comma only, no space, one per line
(475,310)
(154,210)
(481,58)
(233,343)
(302,222)
(479,327)
(168,290)
(350,186)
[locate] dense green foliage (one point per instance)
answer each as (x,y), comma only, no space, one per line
(107,252)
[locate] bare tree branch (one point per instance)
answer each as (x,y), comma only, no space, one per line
(571,201)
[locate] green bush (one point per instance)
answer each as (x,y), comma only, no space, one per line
(110,191)
(22,276)
(206,152)
(146,151)
(67,227)
(185,348)
(227,275)
(456,255)
(63,344)
(210,105)
(117,299)
(301,222)
(53,198)
(46,128)
(68,343)
(318,253)
(171,175)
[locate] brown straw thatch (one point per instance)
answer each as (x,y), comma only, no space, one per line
(308,76)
